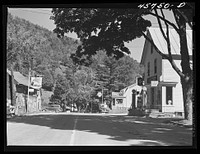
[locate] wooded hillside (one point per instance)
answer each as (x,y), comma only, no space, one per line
(29,43)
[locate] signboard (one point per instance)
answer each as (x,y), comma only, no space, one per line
(99,94)
(154,83)
(36,82)
(31,90)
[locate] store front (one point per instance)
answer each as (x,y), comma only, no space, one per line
(161,96)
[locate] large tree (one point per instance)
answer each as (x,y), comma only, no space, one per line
(103,28)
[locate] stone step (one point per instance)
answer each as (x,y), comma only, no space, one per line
(161,115)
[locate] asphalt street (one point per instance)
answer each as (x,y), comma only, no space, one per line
(75,129)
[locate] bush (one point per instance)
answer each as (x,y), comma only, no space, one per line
(136,112)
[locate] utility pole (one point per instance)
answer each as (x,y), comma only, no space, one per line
(28,89)
(29,78)
(91,102)
(102,94)
(13,86)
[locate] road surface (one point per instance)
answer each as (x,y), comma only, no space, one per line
(69,129)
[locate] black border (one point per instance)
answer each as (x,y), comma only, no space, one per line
(83,148)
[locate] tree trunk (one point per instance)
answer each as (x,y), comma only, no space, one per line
(187,87)
(187,79)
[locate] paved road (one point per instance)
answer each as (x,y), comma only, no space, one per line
(94,129)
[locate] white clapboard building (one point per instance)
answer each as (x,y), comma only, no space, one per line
(164,90)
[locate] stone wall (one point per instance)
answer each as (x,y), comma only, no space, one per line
(22,106)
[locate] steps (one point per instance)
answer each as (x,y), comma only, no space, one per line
(153,113)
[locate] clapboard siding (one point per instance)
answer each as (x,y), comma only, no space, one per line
(169,74)
(178,98)
(150,57)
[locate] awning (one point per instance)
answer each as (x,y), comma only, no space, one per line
(162,83)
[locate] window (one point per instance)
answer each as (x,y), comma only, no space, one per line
(148,69)
(152,97)
(151,48)
(169,99)
(119,101)
(113,102)
(155,66)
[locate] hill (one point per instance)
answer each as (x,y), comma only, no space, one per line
(30,45)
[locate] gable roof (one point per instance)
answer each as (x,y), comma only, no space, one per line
(133,86)
(156,35)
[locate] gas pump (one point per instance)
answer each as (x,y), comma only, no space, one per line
(134,93)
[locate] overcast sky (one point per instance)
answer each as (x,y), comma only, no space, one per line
(40,16)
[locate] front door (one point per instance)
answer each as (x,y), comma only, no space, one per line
(169,98)
(152,97)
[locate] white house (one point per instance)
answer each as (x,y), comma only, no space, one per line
(165,92)
(124,99)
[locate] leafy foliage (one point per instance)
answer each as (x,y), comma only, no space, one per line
(81,83)
(30,45)
(100,28)
(109,28)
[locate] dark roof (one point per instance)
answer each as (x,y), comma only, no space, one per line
(19,78)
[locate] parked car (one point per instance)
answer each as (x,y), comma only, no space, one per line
(53,107)
(104,108)
(73,108)
(10,111)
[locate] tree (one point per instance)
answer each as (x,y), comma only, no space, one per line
(31,44)
(114,74)
(109,28)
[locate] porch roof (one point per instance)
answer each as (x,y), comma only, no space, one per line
(164,83)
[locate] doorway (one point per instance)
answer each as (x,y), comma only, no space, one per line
(152,97)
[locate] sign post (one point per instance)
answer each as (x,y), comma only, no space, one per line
(29,76)
(99,94)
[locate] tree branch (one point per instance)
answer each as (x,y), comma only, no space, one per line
(165,56)
(160,25)
(186,19)
(174,26)
(176,17)
(151,41)
(167,37)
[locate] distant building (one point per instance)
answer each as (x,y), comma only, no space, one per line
(164,90)
(21,86)
(123,100)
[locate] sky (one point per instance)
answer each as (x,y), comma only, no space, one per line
(41,17)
